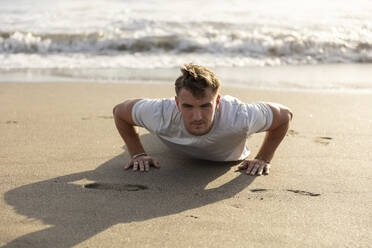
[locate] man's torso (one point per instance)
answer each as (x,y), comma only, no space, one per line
(233,122)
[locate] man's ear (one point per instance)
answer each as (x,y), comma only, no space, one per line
(177,103)
(218,101)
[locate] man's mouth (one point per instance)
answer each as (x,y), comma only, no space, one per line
(197,123)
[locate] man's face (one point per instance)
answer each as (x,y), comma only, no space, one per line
(197,113)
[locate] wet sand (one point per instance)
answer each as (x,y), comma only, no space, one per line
(62,183)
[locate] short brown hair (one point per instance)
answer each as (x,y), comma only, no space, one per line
(196,79)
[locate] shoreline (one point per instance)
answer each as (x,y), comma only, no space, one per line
(328,78)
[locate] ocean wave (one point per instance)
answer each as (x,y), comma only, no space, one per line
(288,46)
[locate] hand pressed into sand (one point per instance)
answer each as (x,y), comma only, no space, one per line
(143,163)
(255,167)
(274,135)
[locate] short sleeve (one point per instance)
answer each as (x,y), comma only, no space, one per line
(259,117)
(147,113)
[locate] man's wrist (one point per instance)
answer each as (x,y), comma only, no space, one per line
(267,161)
(139,155)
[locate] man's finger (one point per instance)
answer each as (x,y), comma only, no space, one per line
(135,165)
(155,163)
(260,169)
(250,167)
(141,165)
(267,169)
(147,165)
(254,169)
(128,165)
(243,165)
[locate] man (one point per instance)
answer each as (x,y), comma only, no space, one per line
(202,124)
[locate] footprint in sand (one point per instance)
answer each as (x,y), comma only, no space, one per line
(323,140)
(192,216)
(116,186)
(292,133)
(105,117)
(301,192)
(11,122)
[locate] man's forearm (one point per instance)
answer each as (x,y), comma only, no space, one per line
(129,135)
(271,142)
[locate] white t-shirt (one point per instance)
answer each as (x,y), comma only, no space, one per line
(234,121)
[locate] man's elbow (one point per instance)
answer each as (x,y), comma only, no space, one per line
(118,109)
(289,114)
(123,111)
(283,119)
(282,115)
(115,110)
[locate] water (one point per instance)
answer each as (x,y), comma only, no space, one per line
(140,34)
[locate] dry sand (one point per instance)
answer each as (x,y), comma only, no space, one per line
(56,138)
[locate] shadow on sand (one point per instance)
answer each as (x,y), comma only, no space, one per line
(77,213)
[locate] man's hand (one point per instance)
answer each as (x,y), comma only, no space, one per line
(255,167)
(274,135)
(142,163)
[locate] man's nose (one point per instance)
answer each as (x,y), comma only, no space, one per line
(197,115)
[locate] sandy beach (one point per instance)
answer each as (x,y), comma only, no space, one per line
(56,138)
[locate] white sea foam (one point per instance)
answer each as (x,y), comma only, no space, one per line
(153,34)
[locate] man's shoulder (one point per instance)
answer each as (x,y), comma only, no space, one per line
(231,102)
(154,114)
(161,108)
(157,103)
(231,99)
(229,108)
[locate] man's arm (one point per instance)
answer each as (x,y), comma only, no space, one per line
(125,125)
(274,135)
